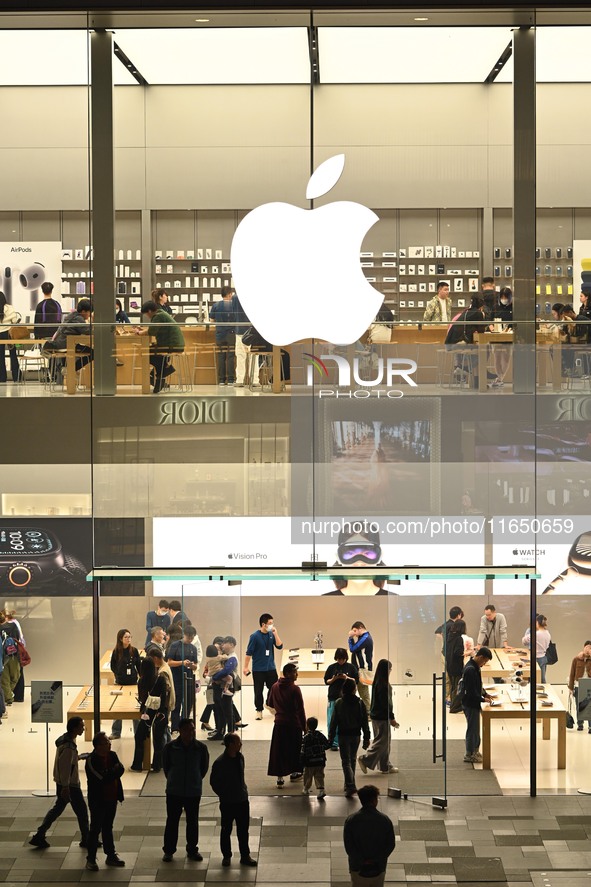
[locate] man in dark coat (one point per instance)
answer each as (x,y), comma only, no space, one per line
(103,771)
(227,781)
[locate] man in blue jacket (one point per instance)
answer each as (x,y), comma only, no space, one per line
(185,762)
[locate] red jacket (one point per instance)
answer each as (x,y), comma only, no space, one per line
(288,703)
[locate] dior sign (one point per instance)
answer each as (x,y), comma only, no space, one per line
(193,412)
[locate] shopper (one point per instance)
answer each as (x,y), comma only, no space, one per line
(472,696)
(369,840)
(183,659)
(48,313)
(67,785)
(222,313)
(543,639)
(125,665)
(157,640)
(76,324)
(580,668)
(11,671)
(160,296)
(439,308)
(493,629)
(442,632)
(177,614)
(223,710)
(120,315)
(169,340)
(154,698)
(261,649)
(454,656)
(314,745)
(158,617)
(289,726)
(382,718)
(103,772)
(185,761)
(349,720)
(460,336)
(227,781)
(8,317)
(335,677)
(503,312)
(361,648)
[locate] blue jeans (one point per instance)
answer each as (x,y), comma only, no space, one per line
(543,662)
(472,729)
(329,711)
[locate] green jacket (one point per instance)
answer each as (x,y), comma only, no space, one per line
(166,330)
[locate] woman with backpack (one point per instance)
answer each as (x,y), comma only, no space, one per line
(11,672)
(349,719)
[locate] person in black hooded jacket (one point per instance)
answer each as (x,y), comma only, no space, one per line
(103,772)
(454,655)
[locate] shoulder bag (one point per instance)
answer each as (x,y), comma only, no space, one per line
(23,654)
(365,676)
(551,654)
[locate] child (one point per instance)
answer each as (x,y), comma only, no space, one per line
(214,662)
(314,745)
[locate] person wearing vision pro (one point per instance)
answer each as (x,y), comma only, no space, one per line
(358,546)
(261,648)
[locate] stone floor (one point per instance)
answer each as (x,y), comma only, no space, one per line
(298,840)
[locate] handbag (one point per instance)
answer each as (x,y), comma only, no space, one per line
(152,703)
(237,682)
(551,654)
(23,654)
(365,677)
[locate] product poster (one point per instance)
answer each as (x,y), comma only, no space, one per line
(581,270)
(45,557)
(24,267)
(47,702)
(250,542)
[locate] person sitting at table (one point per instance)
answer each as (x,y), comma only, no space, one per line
(460,336)
(161,298)
(169,340)
(120,315)
(76,323)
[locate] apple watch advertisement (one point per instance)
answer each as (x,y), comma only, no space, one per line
(45,557)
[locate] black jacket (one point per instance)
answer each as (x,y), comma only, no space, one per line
(381,703)
(185,767)
(369,840)
(454,654)
(349,717)
(129,661)
(227,779)
(463,329)
(472,695)
(100,776)
(334,689)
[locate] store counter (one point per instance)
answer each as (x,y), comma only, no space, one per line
(513,703)
(308,671)
(115,703)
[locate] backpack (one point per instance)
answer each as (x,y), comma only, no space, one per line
(551,654)
(57,310)
(456,703)
(9,645)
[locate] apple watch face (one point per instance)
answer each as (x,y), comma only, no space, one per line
(27,542)
(580,554)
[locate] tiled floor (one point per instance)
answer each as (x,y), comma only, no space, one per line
(544,841)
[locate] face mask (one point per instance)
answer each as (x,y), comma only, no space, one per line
(270,626)
(504,301)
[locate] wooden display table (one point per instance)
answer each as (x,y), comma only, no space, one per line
(307,669)
(115,703)
(508,708)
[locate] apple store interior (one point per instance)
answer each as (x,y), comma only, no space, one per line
(176,152)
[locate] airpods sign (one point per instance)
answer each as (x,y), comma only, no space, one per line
(24,267)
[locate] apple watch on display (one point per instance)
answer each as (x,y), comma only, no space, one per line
(32,556)
(576,579)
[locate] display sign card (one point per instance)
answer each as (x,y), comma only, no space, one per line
(47,705)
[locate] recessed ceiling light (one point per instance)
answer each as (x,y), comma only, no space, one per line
(421,18)
(201,19)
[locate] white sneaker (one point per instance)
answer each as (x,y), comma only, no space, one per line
(362,764)
(258,716)
(477,758)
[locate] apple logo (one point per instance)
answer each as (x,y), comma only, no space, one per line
(297,271)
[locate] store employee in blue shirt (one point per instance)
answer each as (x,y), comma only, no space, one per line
(261,649)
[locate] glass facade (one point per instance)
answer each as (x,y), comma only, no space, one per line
(393,416)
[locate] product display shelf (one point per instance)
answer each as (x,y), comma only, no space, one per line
(77,278)
(192,283)
(554,275)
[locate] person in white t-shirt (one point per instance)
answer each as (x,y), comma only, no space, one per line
(543,639)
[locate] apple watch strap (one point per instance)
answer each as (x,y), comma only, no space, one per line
(74,572)
(570,581)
